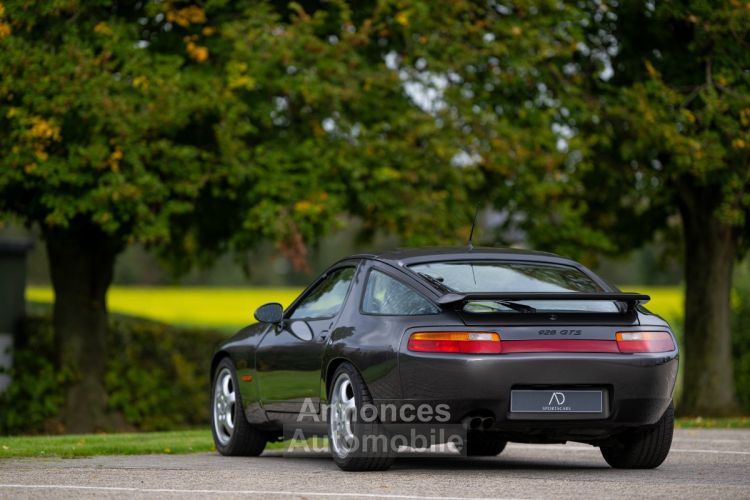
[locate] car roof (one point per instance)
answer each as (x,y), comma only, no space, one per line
(409,256)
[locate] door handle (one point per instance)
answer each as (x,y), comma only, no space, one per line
(323,334)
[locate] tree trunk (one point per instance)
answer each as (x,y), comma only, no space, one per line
(710,254)
(81,267)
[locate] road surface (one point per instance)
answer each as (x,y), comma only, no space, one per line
(702,464)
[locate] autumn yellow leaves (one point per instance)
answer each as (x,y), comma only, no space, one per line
(186,17)
(5,29)
(39,133)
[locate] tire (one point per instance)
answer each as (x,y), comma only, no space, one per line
(483,445)
(233,435)
(347,395)
(644,448)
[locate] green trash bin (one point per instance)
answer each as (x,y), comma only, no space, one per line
(12,304)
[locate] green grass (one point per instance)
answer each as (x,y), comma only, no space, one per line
(88,445)
(106,444)
(713,423)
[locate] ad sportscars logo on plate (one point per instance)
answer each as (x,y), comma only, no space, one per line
(558,398)
(556,403)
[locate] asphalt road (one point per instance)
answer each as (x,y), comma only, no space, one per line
(702,464)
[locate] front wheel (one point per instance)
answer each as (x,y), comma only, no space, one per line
(356,443)
(643,448)
(233,435)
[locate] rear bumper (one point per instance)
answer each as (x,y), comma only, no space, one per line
(638,388)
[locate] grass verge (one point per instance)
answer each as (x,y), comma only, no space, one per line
(87,445)
(713,423)
(194,441)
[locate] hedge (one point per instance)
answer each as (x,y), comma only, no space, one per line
(741,333)
(156,379)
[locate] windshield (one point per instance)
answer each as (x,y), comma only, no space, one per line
(497,276)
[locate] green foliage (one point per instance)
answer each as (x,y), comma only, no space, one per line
(157,375)
(741,334)
(668,133)
(500,73)
(197,126)
(157,378)
(95,128)
(36,393)
(313,125)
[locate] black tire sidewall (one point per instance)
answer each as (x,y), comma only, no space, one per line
(245,440)
(644,448)
(356,460)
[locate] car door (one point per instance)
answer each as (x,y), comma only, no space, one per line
(290,355)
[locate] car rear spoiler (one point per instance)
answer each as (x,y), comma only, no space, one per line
(631,299)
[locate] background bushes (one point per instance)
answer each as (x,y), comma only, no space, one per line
(157,377)
(741,333)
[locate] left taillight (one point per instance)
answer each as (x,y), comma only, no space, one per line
(644,341)
(456,342)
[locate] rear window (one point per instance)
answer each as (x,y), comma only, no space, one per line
(496,276)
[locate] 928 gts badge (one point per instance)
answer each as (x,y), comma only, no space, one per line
(559,332)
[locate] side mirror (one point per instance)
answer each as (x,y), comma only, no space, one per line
(270,313)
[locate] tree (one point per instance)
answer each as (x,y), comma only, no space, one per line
(97,134)
(670,133)
(194,129)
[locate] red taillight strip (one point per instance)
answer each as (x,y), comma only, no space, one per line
(641,341)
(560,345)
(455,342)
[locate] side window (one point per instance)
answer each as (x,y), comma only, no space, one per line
(385,295)
(327,297)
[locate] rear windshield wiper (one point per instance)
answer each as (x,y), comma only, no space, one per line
(516,306)
(437,282)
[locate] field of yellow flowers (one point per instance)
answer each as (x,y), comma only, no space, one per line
(223,308)
(232,308)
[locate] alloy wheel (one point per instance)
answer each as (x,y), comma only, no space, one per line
(343,415)
(224,401)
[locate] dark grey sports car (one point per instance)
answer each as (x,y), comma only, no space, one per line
(470,346)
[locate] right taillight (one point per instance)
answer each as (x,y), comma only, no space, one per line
(644,341)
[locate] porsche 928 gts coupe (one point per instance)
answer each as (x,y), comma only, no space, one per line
(505,345)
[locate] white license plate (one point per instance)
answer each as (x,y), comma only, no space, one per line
(556,401)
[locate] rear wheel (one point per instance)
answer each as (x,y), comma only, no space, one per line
(480,444)
(644,448)
(356,445)
(233,435)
